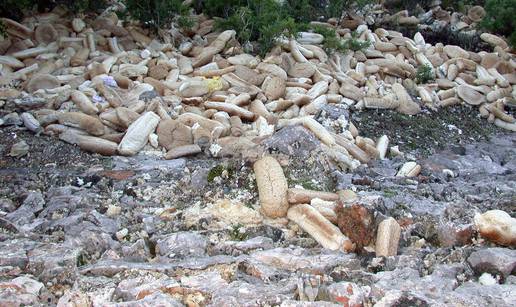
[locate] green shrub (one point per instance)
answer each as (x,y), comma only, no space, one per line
(3,32)
(155,14)
(15,8)
(332,42)
(221,8)
(500,18)
(265,20)
(261,20)
(424,74)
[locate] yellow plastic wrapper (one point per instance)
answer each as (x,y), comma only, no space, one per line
(214,84)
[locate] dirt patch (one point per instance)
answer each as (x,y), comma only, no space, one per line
(425,133)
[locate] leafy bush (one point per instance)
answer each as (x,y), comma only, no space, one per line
(3,29)
(424,74)
(157,13)
(500,18)
(332,42)
(15,8)
(260,20)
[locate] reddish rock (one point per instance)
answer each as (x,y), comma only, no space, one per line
(454,235)
(357,223)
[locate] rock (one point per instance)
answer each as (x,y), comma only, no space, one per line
(182,245)
(132,71)
(21,291)
(455,52)
(357,223)
(494,40)
(309,38)
(243,59)
(12,119)
(315,261)
(222,214)
(193,89)
(11,61)
(42,81)
(296,141)
(301,70)
(121,234)
(78,25)
(19,149)
(28,210)
(138,133)
(113,210)
(317,226)
(156,298)
(215,47)
(54,262)
(470,96)
(487,279)
(84,103)
(346,293)
(450,234)
(13,253)
(272,187)
(409,169)
(45,33)
(405,285)
(274,87)
(90,124)
(182,151)
(236,248)
(497,226)
(158,72)
(495,260)
(291,303)
(387,238)
(250,75)
(30,122)
(475,293)
(476,13)
(143,286)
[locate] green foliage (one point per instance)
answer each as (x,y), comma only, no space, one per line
(302,11)
(264,21)
(156,14)
(424,74)
(237,233)
(461,5)
(217,171)
(260,20)
(240,21)
(15,8)
(500,18)
(84,5)
(332,42)
(3,32)
(355,44)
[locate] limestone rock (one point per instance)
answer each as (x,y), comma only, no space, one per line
(387,238)
(497,226)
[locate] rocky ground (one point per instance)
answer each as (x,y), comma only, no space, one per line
(83,229)
(382,175)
